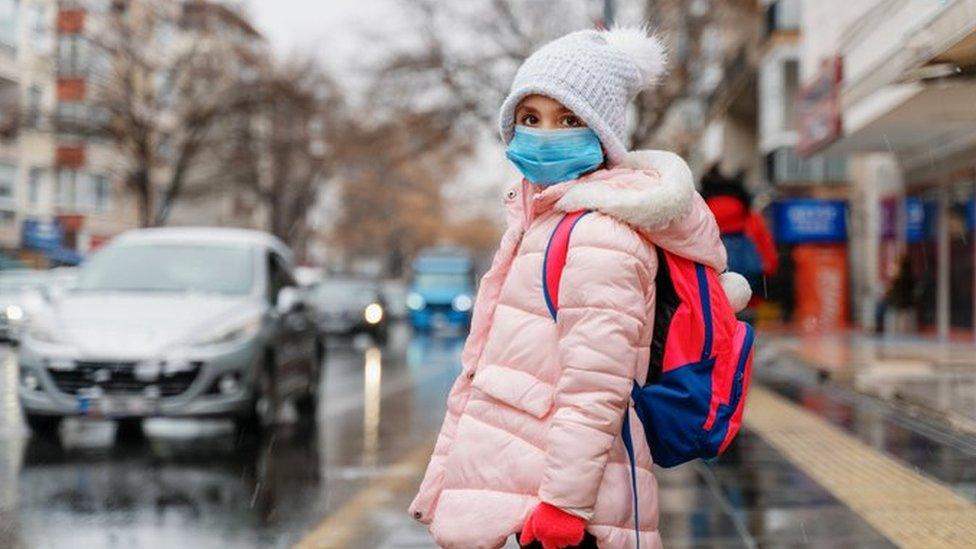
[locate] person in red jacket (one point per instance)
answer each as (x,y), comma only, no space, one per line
(750,244)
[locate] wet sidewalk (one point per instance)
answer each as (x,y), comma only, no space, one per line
(922,375)
(819,464)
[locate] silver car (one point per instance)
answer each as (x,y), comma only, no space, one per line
(173,322)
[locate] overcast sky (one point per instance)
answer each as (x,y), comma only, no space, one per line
(333,30)
(344,33)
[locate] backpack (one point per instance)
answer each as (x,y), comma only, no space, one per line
(691,403)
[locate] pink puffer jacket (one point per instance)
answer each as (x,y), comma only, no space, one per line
(537,411)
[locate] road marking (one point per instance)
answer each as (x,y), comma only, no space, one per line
(909,509)
(341,528)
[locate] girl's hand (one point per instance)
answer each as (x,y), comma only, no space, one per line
(552,527)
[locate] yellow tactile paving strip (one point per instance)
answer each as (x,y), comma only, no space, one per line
(907,508)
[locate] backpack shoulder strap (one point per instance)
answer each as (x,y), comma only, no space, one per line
(555,258)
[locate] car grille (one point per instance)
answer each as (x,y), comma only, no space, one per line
(121,378)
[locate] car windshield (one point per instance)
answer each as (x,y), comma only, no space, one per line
(440,280)
(353,292)
(18,282)
(170,268)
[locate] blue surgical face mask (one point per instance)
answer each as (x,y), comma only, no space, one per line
(546,157)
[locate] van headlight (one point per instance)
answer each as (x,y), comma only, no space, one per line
(373,313)
(462,303)
(235,332)
(416,302)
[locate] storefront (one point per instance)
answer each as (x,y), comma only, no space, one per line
(811,234)
(900,106)
(43,244)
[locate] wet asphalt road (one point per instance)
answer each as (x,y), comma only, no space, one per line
(197,484)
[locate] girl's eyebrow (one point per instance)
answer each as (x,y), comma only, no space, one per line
(564,110)
(529,108)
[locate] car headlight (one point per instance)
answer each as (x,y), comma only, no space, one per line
(462,303)
(14,313)
(235,332)
(373,313)
(45,333)
(416,302)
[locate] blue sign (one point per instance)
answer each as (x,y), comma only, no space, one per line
(916,229)
(809,220)
(41,234)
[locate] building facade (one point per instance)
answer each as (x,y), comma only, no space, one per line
(907,124)
(62,186)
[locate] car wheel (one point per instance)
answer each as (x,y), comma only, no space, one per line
(262,414)
(44,426)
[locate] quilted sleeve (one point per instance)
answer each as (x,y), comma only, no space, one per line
(603,303)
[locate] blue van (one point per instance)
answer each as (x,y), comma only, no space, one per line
(441,292)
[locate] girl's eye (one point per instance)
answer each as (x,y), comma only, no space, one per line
(529,119)
(572,121)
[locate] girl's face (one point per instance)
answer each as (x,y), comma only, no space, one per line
(544,113)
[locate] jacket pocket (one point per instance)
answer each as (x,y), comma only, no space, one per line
(515,388)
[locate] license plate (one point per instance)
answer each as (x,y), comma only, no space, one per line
(439,320)
(109,406)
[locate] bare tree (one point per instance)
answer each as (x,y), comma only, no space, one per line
(390,186)
(171,84)
(696,33)
(292,146)
(467,53)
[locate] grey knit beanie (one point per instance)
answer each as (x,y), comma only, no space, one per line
(593,73)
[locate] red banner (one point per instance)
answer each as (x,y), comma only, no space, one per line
(821,287)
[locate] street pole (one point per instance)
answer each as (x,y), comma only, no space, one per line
(608,9)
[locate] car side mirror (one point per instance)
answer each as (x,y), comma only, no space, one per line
(289,300)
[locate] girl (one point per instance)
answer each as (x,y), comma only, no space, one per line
(531,444)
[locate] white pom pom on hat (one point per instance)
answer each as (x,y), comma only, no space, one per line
(594,73)
(643,48)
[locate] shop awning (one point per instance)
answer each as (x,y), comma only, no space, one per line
(916,121)
(918,101)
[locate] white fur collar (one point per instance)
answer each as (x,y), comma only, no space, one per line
(648,206)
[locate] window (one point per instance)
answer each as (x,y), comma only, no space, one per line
(791,85)
(8,23)
(39,27)
(784,167)
(8,178)
(72,54)
(782,15)
(35,95)
(83,191)
(34,186)
(101,193)
(67,195)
